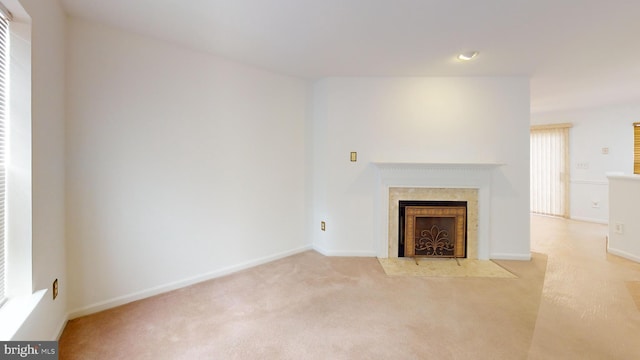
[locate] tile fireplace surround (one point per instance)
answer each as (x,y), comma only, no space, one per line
(434,194)
(435,181)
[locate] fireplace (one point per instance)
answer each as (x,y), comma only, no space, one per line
(470,183)
(436,197)
(433,229)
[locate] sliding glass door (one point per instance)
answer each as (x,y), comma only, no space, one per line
(550,170)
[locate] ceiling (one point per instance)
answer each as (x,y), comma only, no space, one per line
(578,53)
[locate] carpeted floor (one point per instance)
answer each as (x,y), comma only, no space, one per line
(571,303)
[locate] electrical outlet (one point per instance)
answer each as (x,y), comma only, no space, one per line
(582,165)
(323,226)
(619,228)
(55,289)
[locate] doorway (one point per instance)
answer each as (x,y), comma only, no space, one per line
(550,170)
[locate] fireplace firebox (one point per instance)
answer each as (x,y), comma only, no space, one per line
(435,229)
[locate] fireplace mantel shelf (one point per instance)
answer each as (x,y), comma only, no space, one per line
(408,165)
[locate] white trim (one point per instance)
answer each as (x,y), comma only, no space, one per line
(596,221)
(507,256)
(624,254)
(16,311)
(550,126)
(589,182)
(431,166)
(5,12)
(320,250)
(121,300)
(61,327)
(345,253)
(633,177)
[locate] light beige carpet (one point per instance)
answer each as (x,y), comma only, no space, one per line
(308,306)
(569,302)
(443,268)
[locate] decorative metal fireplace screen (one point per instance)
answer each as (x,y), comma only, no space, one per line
(433,229)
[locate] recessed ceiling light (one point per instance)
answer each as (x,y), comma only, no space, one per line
(468,55)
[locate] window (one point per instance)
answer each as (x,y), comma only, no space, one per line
(4,59)
(636,148)
(4,80)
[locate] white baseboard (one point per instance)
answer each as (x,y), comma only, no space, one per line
(121,300)
(61,327)
(624,254)
(320,250)
(507,256)
(345,253)
(597,221)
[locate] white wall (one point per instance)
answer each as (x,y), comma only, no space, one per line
(181,166)
(593,129)
(624,228)
(47,110)
(459,120)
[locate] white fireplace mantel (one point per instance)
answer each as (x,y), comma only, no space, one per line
(432,165)
(435,175)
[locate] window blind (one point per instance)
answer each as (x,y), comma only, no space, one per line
(4,77)
(549,164)
(636,148)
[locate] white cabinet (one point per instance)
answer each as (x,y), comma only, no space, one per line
(624,216)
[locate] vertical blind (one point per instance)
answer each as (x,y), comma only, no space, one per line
(636,148)
(4,77)
(549,192)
